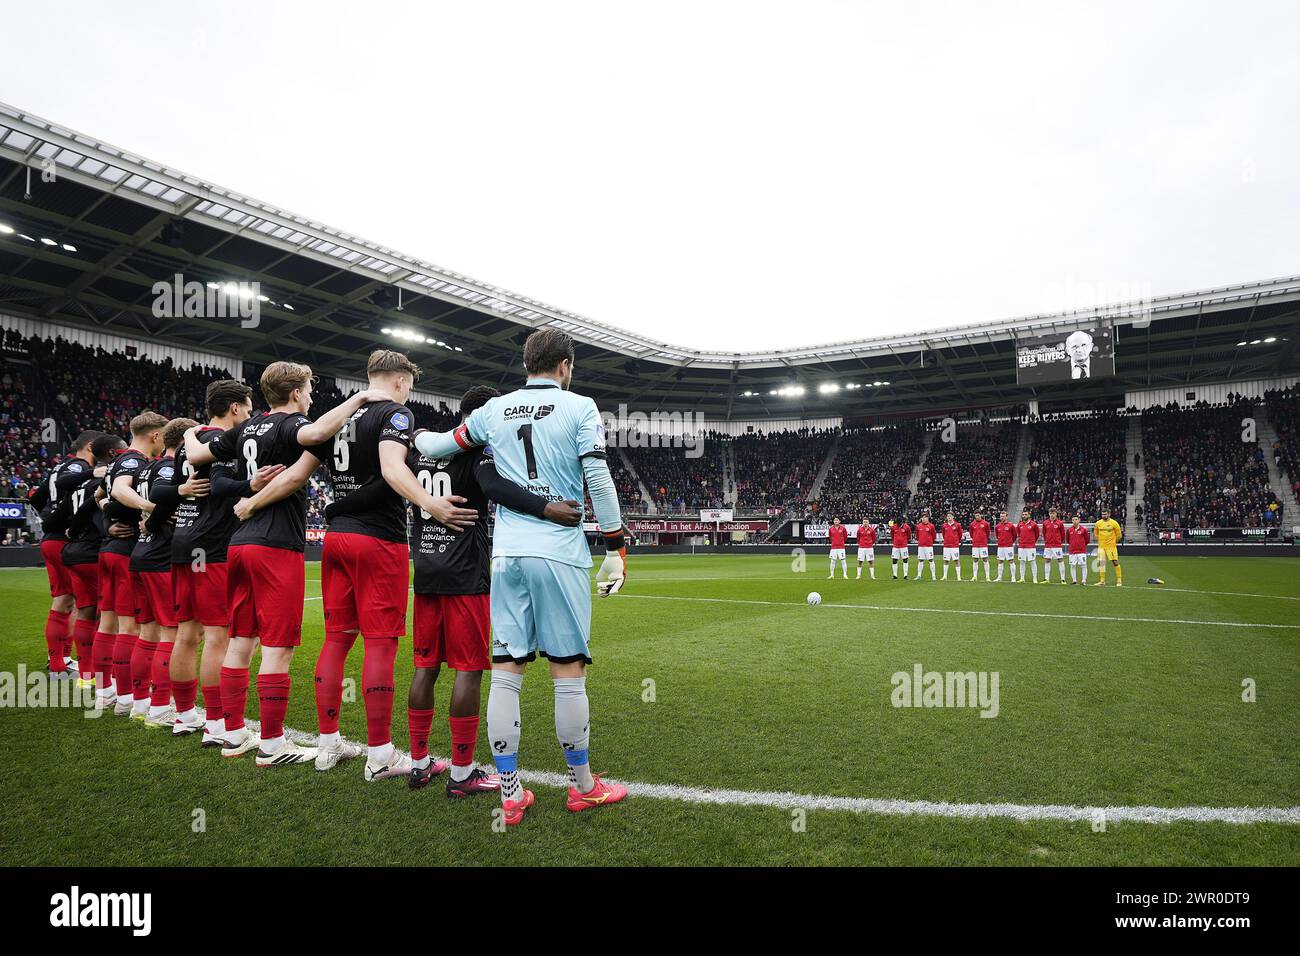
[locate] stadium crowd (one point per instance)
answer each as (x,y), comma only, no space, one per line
(869,476)
(24,458)
(1078,464)
(678,483)
(970,473)
(776,470)
(1199,473)
(1203,470)
(1284,412)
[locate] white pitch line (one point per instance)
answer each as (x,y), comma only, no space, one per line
(880,806)
(1276,597)
(950,610)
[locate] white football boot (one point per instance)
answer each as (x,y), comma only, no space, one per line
(236,743)
(183,727)
(329,755)
(398,765)
(289,753)
(164,721)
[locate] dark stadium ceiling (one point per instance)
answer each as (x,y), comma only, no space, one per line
(86,250)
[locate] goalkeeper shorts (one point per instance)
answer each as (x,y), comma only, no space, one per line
(541,607)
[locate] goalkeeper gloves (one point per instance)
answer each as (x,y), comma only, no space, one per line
(613,570)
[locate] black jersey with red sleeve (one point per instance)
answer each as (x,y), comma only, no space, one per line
(134,465)
(354,463)
(269,439)
(153,549)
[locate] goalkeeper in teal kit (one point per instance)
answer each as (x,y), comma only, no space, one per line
(546,439)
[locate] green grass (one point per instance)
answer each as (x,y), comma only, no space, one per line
(762,696)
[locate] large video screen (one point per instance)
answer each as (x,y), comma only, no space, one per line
(1065,356)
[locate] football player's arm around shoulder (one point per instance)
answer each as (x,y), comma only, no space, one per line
(213,446)
(282,484)
(474,432)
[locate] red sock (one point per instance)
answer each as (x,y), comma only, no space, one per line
(464,734)
(84,632)
(56,633)
(419,722)
(67,636)
(102,654)
(123,648)
(329,679)
(273,701)
(377,683)
(141,667)
(234,695)
(185,692)
(212,709)
(162,674)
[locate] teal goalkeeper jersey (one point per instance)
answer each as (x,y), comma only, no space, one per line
(538,436)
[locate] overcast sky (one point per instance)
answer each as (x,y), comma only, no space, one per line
(725,175)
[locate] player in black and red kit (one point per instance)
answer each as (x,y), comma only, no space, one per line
(124,506)
(266,574)
(202,499)
(86,532)
(53,500)
(365,562)
(151,579)
(452,598)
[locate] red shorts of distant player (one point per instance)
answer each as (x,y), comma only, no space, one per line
(154,598)
(452,629)
(364,583)
(85,584)
(265,588)
(116,592)
(55,569)
(201,595)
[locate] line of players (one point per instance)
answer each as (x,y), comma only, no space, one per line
(1014,541)
(196,534)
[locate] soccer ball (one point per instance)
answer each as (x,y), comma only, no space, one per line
(814,598)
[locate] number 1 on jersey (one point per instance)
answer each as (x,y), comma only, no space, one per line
(526,436)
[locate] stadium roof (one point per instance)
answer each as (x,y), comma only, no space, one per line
(87,248)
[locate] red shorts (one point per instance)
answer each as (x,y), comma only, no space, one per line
(363,583)
(116,592)
(60,579)
(265,588)
(153,597)
(201,595)
(85,584)
(452,629)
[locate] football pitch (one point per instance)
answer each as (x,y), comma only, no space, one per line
(1103,727)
